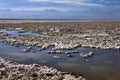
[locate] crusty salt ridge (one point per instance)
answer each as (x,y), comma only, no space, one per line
(14,71)
(93,34)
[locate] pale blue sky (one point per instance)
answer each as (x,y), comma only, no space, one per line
(60,9)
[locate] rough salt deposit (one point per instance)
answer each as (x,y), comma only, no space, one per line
(89,54)
(14,71)
(3,34)
(61,43)
(61,35)
(99,34)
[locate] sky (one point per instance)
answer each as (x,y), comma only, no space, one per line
(60,9)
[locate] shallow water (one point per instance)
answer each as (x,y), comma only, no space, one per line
(12,33)
(103,65)
(16,32)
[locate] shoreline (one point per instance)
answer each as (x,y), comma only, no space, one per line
(41,21)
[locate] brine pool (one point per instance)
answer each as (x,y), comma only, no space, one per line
(103,65)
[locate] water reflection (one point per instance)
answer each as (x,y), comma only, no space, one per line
(12,33)
(107,73)
(68,65)
(104,65)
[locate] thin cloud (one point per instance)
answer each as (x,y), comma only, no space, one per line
(34,9)
(71,2)
(3,4)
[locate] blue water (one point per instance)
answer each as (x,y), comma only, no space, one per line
(10,32)
(16,32)
(103,65)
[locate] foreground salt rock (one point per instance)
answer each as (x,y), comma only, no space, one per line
(3,34)
(14,71)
